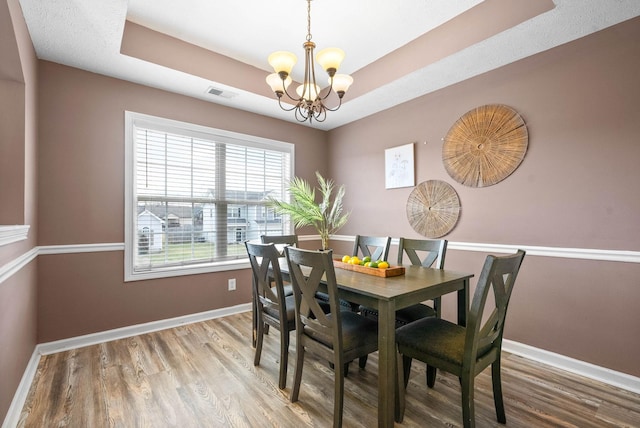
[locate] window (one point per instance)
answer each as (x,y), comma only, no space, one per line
(195,194)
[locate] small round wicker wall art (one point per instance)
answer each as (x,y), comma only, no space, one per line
(485,145)
(433,208)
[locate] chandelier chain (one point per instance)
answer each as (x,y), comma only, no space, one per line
(308,20)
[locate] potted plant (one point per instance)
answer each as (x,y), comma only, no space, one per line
(326,217)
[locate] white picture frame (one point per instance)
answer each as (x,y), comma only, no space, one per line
(398,167)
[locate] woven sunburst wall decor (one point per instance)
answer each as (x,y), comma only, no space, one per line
(433,208)
(485,145)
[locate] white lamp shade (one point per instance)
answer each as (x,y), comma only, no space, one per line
(341,82)
(330,58)
(276,82)
(311,92)
(282,61)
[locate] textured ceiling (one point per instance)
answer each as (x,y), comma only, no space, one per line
(396,50)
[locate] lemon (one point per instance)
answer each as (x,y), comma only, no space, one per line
(383,265)
(345,259)
(354,260)
(367,264)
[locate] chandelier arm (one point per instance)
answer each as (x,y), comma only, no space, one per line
(335,108)
(283,108)
(289,95)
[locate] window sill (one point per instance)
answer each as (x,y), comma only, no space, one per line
(181,270)
(10,234)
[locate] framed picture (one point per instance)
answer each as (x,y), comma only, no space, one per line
(398,167)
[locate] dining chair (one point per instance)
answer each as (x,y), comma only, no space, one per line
(337,336)
(420,252)
(280,242)
(464,351)
(376,247)
(271,306)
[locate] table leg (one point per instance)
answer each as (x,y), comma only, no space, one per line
(386,363)
(463,303)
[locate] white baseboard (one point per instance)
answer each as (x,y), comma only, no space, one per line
(582,368)
(15,409)
(134,330)
(19,398)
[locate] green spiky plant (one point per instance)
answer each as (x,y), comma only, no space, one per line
(326,217)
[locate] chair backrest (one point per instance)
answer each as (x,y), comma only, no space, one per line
(423,252)
(307,270)
(280,239)
(376,247)
(266,271)
(484,333)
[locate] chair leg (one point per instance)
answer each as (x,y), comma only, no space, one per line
(259,339)
(363,361)
(400,390)
(254,322)
(431,376)
(406,369)
(468,413)
(338,399)
(284,357)
(297,377)
(497,392)
(345,369)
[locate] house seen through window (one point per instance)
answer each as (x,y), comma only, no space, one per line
(195,194)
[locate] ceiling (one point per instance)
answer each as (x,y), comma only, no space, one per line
(395,50)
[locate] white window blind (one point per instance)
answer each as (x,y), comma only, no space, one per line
(198,194)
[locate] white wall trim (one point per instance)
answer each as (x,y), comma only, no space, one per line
(80,248)
(13,415)
(581,368)
(15,265)
(15,233)
(532,250)
(571,253)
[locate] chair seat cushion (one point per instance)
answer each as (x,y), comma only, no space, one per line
(357,331)
(291,309)
(432,336)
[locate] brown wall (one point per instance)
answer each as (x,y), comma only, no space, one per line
(576,188)
(82,201)
(18,196)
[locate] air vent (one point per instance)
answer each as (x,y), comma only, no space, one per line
(220,92)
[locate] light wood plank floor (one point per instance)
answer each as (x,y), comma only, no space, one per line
(202,375)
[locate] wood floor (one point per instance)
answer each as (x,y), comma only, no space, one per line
(202,375)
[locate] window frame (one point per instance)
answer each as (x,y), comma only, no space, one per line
(134,120)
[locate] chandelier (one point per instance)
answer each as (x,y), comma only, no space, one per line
(309,104)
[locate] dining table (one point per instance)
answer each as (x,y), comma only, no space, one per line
(387,295)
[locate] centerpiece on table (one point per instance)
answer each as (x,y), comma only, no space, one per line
(326,216)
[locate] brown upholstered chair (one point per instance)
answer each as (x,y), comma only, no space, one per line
(420,252)
(464,351)
(338,336)
(271,306)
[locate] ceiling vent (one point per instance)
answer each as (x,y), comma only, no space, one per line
(220,92)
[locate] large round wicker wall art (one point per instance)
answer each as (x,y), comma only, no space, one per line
(433,208)
(485,145)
